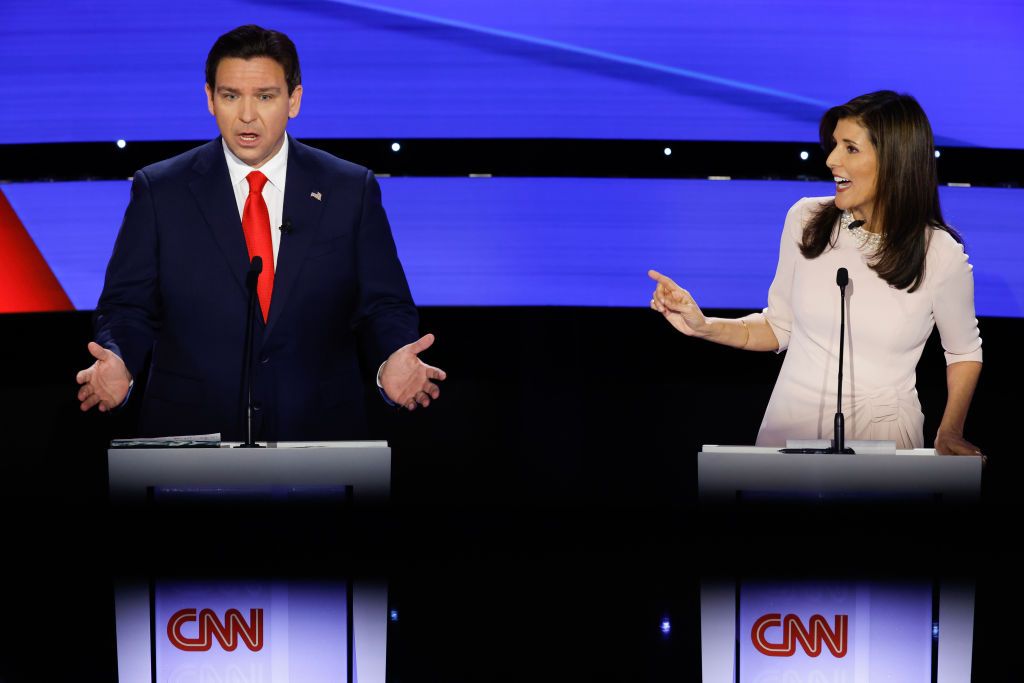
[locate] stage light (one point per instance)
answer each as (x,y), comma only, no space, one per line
(668,151)
(804,155)
(938,154)
(395,147)
(666,626)
(393,615)
(121,144)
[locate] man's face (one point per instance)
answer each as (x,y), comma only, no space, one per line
(252,106)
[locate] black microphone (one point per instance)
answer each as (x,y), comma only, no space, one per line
(286,227)
(839,429)
(251,279)
(856,224)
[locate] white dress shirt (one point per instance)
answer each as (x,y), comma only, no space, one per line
(273,192)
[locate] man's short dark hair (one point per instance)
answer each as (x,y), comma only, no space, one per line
(247,42)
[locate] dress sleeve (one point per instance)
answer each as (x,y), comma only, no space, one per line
(779,312)
(953,303)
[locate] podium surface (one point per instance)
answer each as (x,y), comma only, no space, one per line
(365,466)
(749,626)
(723,471)
(259,628)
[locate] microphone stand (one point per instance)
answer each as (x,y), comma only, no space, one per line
(255,268)
(839,428)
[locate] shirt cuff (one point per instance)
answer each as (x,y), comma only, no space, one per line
(131,385)
(380,387)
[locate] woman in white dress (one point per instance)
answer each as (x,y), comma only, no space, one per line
(907,272)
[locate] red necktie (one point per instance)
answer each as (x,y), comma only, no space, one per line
(256,226)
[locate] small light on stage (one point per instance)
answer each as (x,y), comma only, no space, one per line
(393,615)
(121,144)
(938,154)
(666,626)
(935,630)
(395,147)
(668,151)
(805,156)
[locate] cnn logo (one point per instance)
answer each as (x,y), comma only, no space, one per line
(811,637)
(227,633)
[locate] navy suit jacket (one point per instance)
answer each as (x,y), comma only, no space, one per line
(175,297)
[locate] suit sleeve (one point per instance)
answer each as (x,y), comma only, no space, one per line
(386,317)
(128,311)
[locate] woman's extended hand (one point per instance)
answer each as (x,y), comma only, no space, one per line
(678,307)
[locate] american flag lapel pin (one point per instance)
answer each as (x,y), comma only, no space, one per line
(316,195)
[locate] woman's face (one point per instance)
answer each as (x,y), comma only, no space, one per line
(854,166)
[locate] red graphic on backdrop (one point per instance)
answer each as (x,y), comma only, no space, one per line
(810,638)
(26,282)
(227,633)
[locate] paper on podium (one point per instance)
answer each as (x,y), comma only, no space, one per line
(192,441)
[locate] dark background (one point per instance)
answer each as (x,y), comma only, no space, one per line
(543,519)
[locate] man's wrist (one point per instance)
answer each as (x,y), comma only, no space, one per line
(380,385)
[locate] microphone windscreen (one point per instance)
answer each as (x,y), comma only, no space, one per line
(842,277)
(256,266)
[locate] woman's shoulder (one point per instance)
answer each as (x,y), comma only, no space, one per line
(942,244)
(803,210)
(944,250)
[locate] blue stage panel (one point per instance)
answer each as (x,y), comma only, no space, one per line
(560,241)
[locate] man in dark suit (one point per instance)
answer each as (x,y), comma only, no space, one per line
(332,289)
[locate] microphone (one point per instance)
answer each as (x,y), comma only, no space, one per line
(251,278)
(856,224)
(255,268)
(839,428)
(286,227)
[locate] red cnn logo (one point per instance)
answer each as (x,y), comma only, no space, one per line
(226,633)
(811,638)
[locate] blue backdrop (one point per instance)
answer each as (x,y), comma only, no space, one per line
(692,69)
(560,241)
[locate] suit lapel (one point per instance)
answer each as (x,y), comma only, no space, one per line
(212,190)
(302,209)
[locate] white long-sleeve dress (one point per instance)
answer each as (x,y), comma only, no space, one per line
(886,330)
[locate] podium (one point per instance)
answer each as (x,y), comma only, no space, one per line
(264,629)
(825,629)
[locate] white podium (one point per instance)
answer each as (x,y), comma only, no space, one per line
(246,631)
(782,619)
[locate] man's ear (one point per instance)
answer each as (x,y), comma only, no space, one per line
(294,102)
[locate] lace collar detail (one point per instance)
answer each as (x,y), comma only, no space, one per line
(864,238)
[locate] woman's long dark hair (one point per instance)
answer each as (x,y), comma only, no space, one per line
(906,186)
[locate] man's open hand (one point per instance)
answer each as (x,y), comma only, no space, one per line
(105,383)
(408,381)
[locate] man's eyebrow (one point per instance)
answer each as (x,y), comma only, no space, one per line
(235,91)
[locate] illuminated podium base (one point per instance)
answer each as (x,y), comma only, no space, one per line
(248,629)
(824,629)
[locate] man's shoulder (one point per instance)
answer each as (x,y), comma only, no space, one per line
(321,162)
(180,165)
